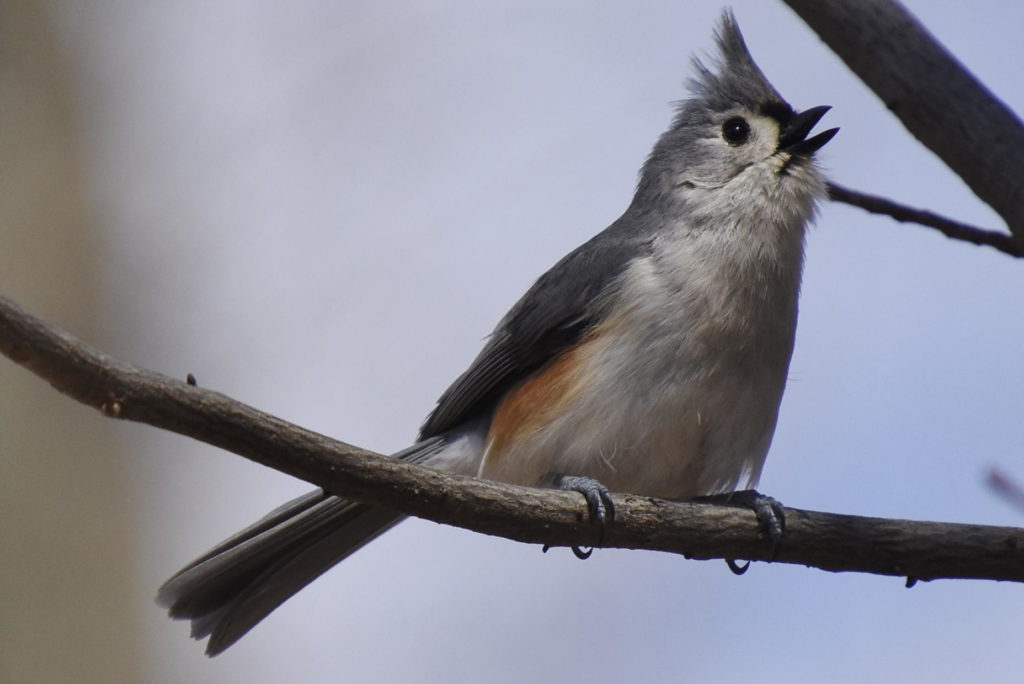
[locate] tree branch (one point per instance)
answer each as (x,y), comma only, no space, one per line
(904,214)
(917,550)
(938,100)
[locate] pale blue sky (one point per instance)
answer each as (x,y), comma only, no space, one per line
(322,208)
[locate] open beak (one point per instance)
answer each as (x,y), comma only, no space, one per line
(793,138)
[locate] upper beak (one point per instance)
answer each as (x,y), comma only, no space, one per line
(793,138)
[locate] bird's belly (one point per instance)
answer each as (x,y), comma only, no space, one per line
(671,419)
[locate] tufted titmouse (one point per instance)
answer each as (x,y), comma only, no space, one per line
(651,360)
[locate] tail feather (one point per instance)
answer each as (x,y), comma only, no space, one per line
(230,589)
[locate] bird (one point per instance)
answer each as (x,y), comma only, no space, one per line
(652,359)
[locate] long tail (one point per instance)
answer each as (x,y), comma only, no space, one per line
(230,589)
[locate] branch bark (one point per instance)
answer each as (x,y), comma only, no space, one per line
(938,100)
(916,550)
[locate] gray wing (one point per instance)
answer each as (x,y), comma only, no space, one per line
(552,316)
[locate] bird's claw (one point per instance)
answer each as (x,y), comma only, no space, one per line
(599,499)
(736,568)
(771,516)
(599,504)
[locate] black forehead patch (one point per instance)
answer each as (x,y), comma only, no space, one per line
(778,110)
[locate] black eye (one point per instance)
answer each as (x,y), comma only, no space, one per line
(736,130)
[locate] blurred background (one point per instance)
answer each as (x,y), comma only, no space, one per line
(322,208)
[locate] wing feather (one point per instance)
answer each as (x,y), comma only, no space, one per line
(553,315)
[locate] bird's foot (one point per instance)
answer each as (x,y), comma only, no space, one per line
(771,516)
(599,503)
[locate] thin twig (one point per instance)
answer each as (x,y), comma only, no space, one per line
(1006,487)
(951,229)
(916,550)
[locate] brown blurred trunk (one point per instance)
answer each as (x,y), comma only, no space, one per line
(66,569)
